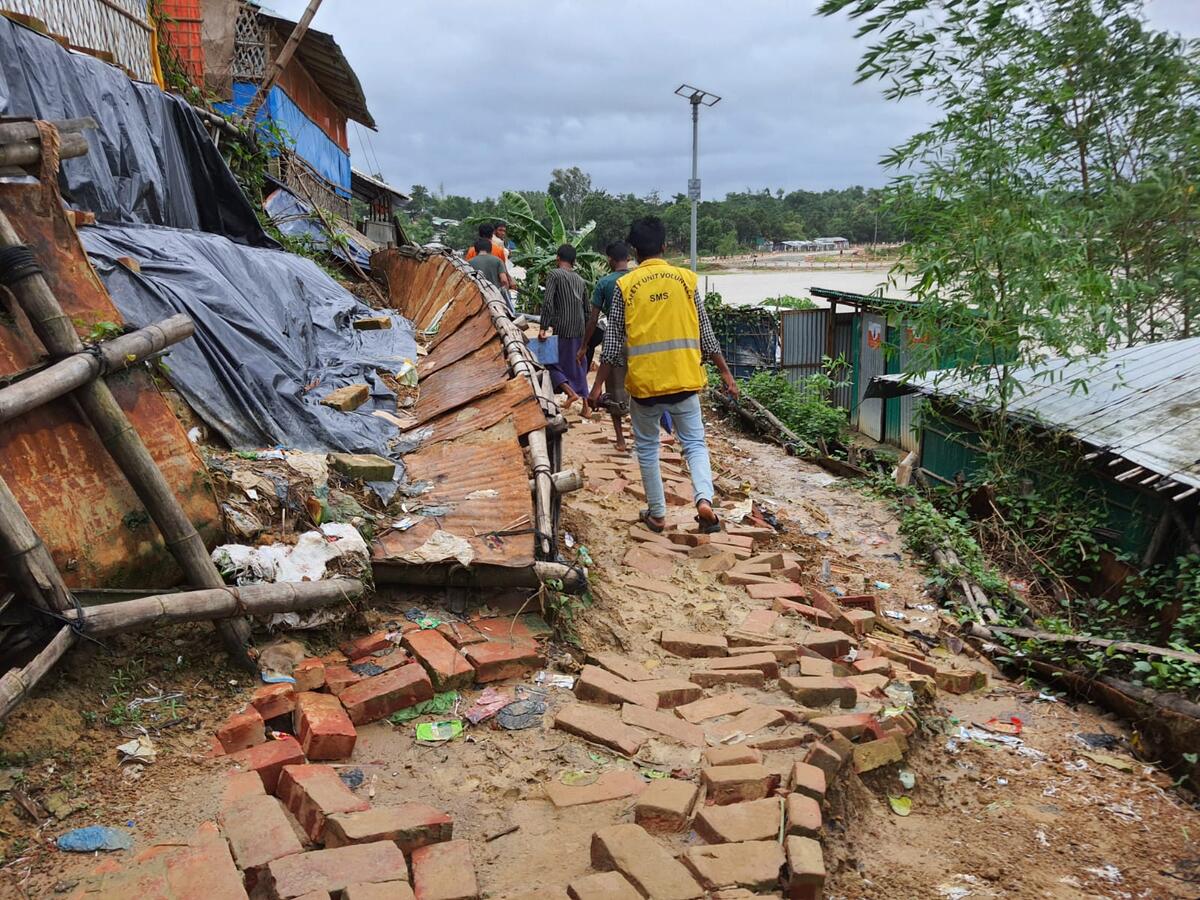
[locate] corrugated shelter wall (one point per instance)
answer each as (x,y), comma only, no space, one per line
(121,28)
(804,334)
(471,416)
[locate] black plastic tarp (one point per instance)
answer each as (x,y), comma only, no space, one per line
(150,161)
(273,336)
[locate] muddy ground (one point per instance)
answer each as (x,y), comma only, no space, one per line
(987,821)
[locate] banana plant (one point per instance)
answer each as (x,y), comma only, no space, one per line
(537,244)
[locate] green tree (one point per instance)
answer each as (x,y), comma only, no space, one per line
(1037,205)
(570,188)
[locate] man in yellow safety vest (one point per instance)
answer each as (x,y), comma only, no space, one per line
(658,329)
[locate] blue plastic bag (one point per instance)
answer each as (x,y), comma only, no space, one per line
(95,837)
(545,350)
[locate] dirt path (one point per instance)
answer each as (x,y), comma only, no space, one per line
(987,820)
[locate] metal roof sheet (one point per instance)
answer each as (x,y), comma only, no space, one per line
(359,175)
(320,54)
(1141,403)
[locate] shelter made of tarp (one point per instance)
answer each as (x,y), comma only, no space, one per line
(149,162)
(295,218)
(298,131)
(273,331)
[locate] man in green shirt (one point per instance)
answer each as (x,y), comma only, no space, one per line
(602,295)
(490,267)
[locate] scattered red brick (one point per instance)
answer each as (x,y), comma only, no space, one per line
(667,724)
(602,886)
(599,726)
(448,669)
(273,700)
(409,826)
(609,786)
(309,675)
(808,780)
(817,690)
(805,868)
(621,667)
(711,707)
(666,805)
(336,869)
(756,820)
(753,865)
(693,643)
(874,754)
(737,784)
(766,662)
(792,608)
(497,661)
(779,590)
(731,756)
(380,696)
(241,730)
(258,832)
(672,692)
(648,866)
(444,871)
(803,815)
(851,725)
(753,719)
(598,686)
(313,792)
(747,677)
(324,729)
(365,646)
(269,759)
(338,677)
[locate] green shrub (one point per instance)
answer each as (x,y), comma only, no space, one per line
(804,408)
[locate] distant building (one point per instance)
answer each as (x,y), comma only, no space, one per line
(382,203)
(230,51)
(821,244)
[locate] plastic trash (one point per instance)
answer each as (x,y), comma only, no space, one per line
(521,714)
(882,586)
(487,704)
(437,704)
(95,837)
(554,679)
(352,778)
(139,750)
(907,779)
(901,806)
(439,731)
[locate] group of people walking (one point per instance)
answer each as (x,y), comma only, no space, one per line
(655,338)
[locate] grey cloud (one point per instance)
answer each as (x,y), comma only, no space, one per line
(483,97)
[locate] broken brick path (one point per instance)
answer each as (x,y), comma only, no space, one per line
(723,723)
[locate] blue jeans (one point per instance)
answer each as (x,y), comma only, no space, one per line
(689,428)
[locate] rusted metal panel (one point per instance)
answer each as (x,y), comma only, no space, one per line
(515,400)
(75,496)
(480,483)
(475,375)
(472,335)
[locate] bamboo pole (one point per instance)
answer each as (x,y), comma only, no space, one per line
(75,371)
(56,331)
(28,562)
(215,603)
(11,132)
(16,684)
(1051,637)
(482,575)
(29,153)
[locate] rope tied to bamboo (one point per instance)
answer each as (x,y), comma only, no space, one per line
(16,264)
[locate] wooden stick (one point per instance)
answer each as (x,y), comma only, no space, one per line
(1051,637)
(17,683)
(281,60)
(57,333)
(11,132)
(28,562)
(29,153)
(217,603)
(75,371)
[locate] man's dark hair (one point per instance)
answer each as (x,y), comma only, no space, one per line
(567,254)
(498,226)
(486,231)
(483,245)
(648,236)
(617,251)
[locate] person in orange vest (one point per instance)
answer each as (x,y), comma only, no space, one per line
(658,329)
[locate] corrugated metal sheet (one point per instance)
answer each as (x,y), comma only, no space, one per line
(1141,403)
(804,342)
(68,485)
(843,348)
(471,414)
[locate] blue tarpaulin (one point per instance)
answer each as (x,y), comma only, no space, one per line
(303,134)
(295,218)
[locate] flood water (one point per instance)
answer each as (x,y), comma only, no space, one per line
(747,287)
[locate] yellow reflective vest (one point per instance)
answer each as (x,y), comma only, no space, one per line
(662,330)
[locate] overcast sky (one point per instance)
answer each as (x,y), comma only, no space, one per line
(475,99)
